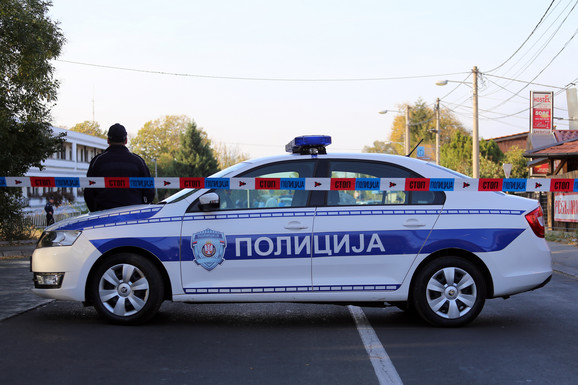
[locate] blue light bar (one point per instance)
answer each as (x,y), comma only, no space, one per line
(310,144)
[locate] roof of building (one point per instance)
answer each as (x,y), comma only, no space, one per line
(564,135)
(566,149)
(521,135)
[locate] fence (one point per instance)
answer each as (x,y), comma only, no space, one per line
(38,218)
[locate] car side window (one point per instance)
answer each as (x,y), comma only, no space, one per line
(274,197)
(365,169)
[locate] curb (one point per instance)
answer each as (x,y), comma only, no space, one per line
(23,248)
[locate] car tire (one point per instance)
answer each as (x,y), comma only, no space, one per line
(126,289)
(449,292)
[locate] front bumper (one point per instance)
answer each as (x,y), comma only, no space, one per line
(62,272)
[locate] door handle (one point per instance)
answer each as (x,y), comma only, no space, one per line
(414,223)
(295,225)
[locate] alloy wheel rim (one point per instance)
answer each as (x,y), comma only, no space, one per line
(451,292)
(123,290)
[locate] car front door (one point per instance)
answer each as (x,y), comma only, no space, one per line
(257,242)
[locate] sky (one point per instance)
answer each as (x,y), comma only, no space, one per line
(256,73)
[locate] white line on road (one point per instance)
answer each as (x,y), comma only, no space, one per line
(384,369)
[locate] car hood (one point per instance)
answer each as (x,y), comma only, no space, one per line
(107,217)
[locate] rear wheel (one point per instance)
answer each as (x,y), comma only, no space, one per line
(449,291)
(126,288)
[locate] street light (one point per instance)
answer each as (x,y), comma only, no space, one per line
(406,139)
(475,128)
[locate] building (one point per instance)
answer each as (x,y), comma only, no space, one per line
(561,161)
(550,155)
(72,161)
(506,143)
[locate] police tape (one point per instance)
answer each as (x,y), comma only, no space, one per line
(310,184)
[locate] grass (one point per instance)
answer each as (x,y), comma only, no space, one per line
(13,257)
(567,237)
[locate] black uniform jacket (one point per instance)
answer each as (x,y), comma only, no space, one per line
(117,161)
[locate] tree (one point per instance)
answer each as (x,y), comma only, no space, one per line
(29,40)
(490,159)
(490,169)
(380,148)
(159,142)
(90,128)
(519,164)
(227,156)
(160,137)
(457,155)
(422,126)
(490,150)
(195,157)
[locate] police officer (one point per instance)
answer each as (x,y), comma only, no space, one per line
(117,161)
(49,208)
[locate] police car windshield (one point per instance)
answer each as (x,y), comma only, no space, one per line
(182,194)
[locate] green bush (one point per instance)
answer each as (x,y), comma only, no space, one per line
(14,226)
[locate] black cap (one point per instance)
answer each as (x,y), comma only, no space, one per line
(117,133)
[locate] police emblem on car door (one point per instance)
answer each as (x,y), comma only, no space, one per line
(208,248)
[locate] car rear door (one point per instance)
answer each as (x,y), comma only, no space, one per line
(366,240)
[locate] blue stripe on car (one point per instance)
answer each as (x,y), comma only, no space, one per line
(321,245)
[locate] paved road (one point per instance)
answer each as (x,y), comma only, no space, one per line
(15,288)
(564,258)
(16,279)
(529,338)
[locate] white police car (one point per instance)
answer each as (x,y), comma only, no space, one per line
(271,230)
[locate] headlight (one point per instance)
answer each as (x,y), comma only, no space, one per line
(58,238)
(48,280)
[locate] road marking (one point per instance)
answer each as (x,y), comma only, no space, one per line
(384,369)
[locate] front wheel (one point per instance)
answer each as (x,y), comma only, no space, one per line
(127,289)
(449,291)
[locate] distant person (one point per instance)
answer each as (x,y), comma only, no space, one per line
(117,161)
(49,208)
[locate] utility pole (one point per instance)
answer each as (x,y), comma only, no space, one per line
(475,129)
(438,131)
(406,142)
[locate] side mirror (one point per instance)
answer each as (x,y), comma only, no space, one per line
(209,202)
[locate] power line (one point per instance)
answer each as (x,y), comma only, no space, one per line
(534,56)
(457,86)
(572,83)
(524,81)
(543,69)
(548,41)
(257,78)
(528,38)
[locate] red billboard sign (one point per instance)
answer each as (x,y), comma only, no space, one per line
(541,112)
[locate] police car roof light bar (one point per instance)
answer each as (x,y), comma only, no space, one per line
(309,144)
